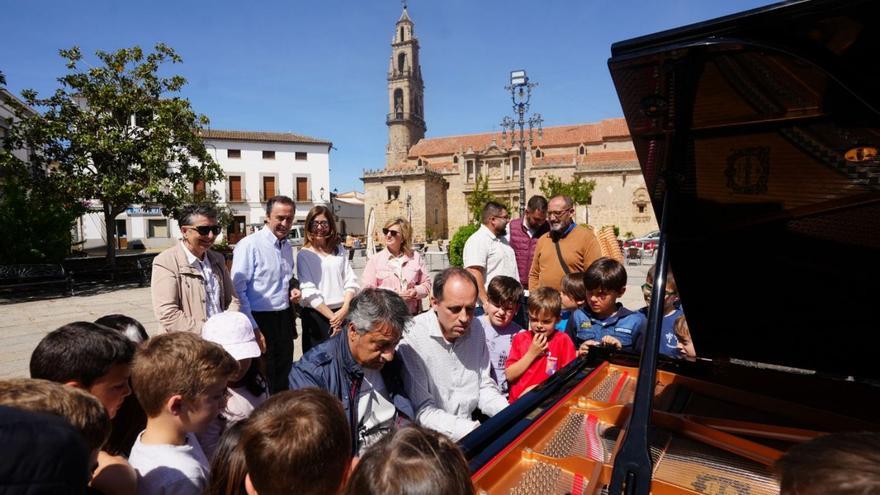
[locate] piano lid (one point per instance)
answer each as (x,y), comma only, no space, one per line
(765,128)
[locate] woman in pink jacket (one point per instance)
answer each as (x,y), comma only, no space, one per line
(398,268)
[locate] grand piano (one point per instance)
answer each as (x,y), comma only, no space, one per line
(758,136)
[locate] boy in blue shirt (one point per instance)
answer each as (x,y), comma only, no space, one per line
(603,321)
(671,312)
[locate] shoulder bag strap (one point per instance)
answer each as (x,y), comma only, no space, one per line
(559,255)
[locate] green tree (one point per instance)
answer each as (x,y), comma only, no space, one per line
(578,189)
(35,214)
(478,199)
(118,132)
(456,244)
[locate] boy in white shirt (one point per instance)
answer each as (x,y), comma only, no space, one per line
(180,380)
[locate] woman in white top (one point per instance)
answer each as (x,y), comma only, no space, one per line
(327,281)
(398,268)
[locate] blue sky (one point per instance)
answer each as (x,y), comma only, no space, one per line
(318,67)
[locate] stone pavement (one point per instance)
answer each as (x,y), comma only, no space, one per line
(23,324)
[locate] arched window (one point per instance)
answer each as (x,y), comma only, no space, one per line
(539,153)
(455,159)
(582,150)
(401,33)
(401,62)
(398,103)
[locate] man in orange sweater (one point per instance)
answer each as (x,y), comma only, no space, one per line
(577,246)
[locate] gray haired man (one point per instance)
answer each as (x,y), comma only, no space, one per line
(357,366)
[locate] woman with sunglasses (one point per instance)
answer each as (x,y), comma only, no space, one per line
(190,283)
(398,268)
(327,280)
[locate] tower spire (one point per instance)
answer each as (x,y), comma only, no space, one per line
(405,118)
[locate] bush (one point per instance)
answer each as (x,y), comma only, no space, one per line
(456,245)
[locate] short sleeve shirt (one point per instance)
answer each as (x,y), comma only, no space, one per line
(499,340)
(559,347)
(490,252)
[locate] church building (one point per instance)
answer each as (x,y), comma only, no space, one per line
(427,180)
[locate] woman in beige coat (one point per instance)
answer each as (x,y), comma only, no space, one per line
(190,283)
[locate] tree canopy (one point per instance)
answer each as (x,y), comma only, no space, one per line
(478,199)
(578,189)
(118,133)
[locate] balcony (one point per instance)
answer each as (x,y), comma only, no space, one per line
(399,74)
(403,117)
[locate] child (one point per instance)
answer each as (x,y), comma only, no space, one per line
(504,294)
(98,360)
(180,380)
(843,463)
(247,389)
(574,295)
(683,336)
(127,325)
(413,460)
(603,321)
(297,442)
(671,312)
(130,419)
(228,467)
(82,410)
(538,353)
(87,356)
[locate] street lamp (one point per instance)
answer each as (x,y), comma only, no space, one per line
(520,93)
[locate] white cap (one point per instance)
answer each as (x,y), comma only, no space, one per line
(234,332)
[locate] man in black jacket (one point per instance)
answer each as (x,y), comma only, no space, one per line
(357,366)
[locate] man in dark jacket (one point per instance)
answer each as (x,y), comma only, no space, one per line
(356,365)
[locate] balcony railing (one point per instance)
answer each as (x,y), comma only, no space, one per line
(402,117)
(399,74)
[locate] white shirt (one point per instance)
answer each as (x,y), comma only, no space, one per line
(212,285)
(492,253)
(446,381)
(324,278)
(170,469)
(376,412)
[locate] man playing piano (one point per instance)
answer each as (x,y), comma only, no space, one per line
(446,359)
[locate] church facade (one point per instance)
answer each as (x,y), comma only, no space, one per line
(428,180)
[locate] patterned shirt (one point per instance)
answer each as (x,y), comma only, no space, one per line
(498,340)
(212,285)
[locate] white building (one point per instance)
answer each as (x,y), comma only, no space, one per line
(8,105)
(256,166)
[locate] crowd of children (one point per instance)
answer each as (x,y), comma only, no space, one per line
(201,419)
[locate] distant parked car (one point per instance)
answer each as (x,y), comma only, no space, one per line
(296,236)
(647,242)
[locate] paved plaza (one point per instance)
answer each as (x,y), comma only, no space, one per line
(23,324)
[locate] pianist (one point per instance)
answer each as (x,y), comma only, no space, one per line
(446,359)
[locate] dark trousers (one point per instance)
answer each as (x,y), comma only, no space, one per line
(315,327)
(279,329)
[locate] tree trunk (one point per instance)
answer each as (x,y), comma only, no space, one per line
(110,227)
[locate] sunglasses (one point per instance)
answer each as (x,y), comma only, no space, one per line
(320,223)
(205,229)
(394,233)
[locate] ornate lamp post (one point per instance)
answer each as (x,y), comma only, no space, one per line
(520,93)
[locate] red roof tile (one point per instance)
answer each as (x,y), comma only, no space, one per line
(567,135)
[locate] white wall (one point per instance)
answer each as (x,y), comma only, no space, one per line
(252,167)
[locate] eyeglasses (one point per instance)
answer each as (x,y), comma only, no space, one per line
(646,287)
(320,223)
(394,233)
(205,229)
(558,213)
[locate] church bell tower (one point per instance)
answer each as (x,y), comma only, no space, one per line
(406,116)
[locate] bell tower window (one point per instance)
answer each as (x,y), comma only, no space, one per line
(401,34)
(398,103)
(401,62)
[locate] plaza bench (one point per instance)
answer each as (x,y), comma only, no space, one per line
(29,276)
(126,267)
